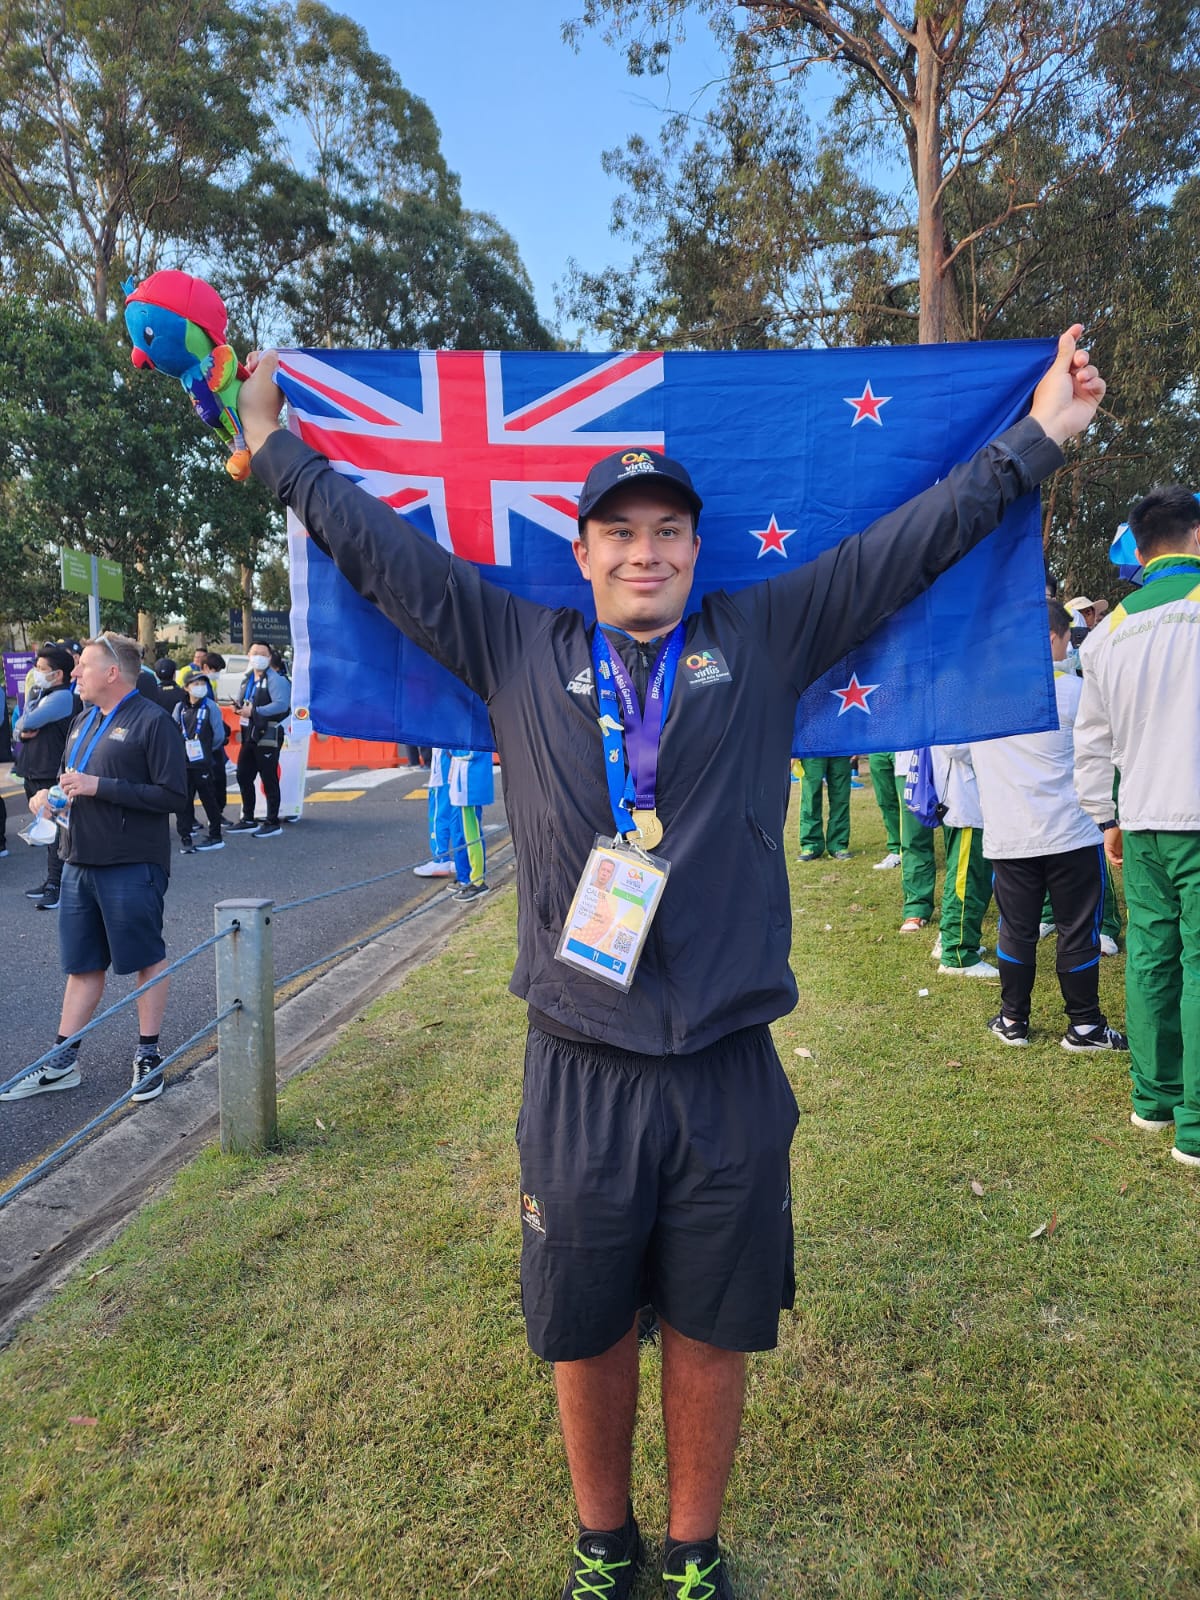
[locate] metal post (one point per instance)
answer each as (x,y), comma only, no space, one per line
(94,601)
(246,1039)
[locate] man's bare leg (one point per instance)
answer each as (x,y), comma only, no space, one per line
(702,1393)
(80,999)
(152,1007)
(597,1405)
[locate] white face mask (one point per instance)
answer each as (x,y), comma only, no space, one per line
(198,691)
(41,679)
(260,663)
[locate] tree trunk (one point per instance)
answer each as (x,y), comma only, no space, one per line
(146,633)
(931,228)
(247,605)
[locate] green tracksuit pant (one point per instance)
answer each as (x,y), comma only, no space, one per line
(965,895)
(918,864)
(815,836)
(1162,979)
(883,781)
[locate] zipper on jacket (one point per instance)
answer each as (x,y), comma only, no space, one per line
(765,836)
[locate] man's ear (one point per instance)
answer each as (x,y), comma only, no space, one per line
(580,551)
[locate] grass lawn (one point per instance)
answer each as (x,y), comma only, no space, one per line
(305,1374)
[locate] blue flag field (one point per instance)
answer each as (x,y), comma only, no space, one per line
(791,451)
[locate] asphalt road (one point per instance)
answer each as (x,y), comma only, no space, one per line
(369,823)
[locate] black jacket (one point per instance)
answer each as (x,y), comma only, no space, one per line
(143,778)
(717,959)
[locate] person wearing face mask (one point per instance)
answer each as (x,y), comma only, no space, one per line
(1138,727)
(213,667)
(41,733)
(197,720)
(263,705)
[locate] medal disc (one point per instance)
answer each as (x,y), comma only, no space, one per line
(650,829)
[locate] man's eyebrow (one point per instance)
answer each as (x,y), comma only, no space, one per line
(667,516)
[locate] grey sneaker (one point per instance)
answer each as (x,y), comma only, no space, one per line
(147,1078)
(60,1072)
(470,891)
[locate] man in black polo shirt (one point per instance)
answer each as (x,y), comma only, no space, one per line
(124,773)
(656,1117)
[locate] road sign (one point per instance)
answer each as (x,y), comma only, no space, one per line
(112,580)
(76,571)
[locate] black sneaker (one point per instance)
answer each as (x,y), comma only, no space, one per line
(1101,1038)
(49,901)
(268,830)
(60,1072)
(36,894)
(470,891)
(186,847)
(1010,1032)
(211,844)
(696,1571)
(605,1566)
(243,825)
(146,1087)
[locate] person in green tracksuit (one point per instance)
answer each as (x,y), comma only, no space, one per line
(967,888)
(883,781)
(817,838)
(918,859)
(1139,718)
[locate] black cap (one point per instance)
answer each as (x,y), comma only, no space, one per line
(165,669)
(635,466)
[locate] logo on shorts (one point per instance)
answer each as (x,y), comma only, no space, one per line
(531,1213)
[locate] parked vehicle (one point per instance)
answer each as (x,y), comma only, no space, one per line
(229,682)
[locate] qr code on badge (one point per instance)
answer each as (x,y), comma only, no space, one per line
(622,942)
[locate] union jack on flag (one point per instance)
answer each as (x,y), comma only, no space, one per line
(487,452)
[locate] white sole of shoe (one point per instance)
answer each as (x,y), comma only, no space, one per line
(69,1080)
(1149,1125)
(981,969)
(1183,1158)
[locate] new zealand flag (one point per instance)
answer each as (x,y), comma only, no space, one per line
(790,451)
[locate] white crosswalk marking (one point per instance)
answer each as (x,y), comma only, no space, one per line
(367,780)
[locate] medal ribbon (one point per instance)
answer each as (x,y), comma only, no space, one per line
(631,736)
(79,763)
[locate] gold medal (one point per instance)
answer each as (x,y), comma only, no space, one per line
(649,829)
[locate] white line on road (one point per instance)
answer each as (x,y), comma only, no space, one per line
(367,780)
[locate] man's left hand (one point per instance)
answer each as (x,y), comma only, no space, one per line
(1114,846)
(77,784)
(1067,398)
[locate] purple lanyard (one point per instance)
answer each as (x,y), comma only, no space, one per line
(642,730)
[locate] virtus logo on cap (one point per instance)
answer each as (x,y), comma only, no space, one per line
(634,461)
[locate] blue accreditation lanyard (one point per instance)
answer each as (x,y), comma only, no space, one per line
(1189,570)
(77,762)
(631,735)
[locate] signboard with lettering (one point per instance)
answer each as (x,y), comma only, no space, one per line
(272,627)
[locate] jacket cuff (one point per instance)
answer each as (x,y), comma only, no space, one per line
(277,460)
(1034,454)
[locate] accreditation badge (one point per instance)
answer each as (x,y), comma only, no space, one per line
(611,912)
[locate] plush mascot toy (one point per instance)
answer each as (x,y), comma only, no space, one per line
(177,324)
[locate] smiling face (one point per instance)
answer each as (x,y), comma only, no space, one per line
(639,555)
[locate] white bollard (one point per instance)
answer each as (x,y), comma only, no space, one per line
(246,1038)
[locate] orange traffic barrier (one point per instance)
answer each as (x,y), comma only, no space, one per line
(325,749)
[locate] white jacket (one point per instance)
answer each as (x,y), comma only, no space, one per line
(1025,784)
(956,785)
(1140,712)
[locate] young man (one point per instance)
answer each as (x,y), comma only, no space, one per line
(41,734)
(1038,839)
(123,774)
(1139,718)
(263,705)
(656,1119)
(199,721)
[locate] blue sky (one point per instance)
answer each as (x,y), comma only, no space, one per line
(525,119)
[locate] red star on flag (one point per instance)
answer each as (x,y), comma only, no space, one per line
(772,537)
(854,695)
(866,405)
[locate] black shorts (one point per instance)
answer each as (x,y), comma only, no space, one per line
(111,916)
(660,1180)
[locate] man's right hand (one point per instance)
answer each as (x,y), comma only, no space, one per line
(261,399)
(1114,846)
(1067,398)
(39,802)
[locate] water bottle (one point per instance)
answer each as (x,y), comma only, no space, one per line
(59,804)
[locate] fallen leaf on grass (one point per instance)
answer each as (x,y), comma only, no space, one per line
(854,906)
(1046,1228)
(437,1024)
(801,1051)
(1100,1139)
(954,1063)
(469,972)
(319,1124)
(976,1186)
(829,927)
(1038,1231)
(1052,1224)
(98,1272)
(1121,1188)
(879,940)
(82,1422)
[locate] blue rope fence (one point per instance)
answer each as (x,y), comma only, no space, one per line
(55,1156)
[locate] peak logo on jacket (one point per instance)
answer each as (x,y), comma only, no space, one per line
(705,666)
